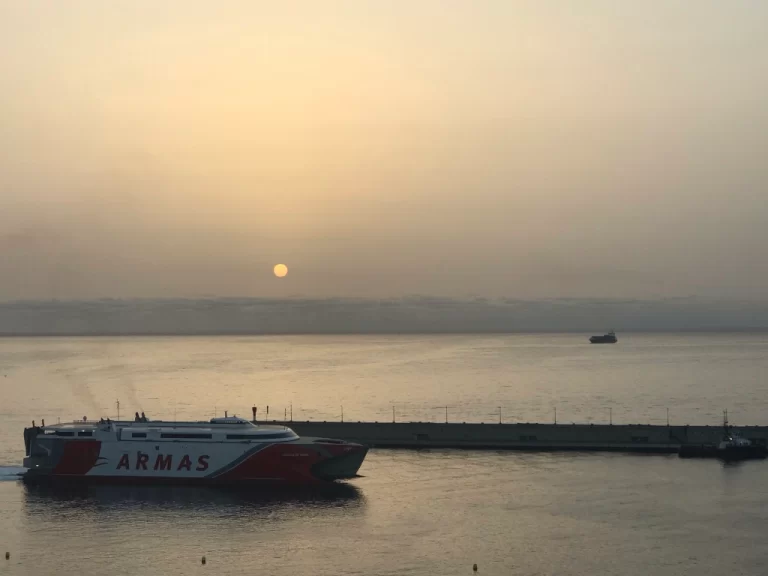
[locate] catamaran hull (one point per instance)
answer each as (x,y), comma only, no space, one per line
(304,461)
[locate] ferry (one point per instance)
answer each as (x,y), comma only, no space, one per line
(228,450)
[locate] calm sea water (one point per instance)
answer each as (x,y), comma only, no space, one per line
(429,512)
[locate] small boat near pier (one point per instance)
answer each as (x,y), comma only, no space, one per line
(732,447)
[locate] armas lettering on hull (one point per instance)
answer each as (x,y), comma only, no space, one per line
(162,462)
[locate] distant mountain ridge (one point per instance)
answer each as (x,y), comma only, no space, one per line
(410,315)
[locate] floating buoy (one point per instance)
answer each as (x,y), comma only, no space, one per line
(203,561)
(474,567)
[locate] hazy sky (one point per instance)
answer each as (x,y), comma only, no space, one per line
(381,148)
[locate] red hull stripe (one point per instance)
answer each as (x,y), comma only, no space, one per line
(78,457)
(288,462)
(235,463)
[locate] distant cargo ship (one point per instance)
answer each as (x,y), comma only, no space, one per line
(609,338)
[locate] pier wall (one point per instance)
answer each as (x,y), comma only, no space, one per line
(616,437)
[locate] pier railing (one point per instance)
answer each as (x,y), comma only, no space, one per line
(446,414)
(523,436)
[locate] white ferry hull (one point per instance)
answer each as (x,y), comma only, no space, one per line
(106,458)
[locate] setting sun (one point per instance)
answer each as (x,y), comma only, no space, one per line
(280,270)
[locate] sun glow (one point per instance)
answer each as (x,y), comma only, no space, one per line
(280,270)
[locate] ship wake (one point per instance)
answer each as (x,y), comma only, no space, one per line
(9,473)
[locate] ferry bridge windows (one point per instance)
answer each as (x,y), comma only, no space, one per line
(139,435)
(185,436)
(85,433)
(528,438)
(259,436)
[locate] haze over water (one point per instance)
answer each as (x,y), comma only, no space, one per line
(695,376)
(427,512)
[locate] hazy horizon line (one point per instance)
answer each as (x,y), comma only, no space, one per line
(401,315)
(406,297)
(751,330)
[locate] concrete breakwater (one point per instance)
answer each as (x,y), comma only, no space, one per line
(584,437)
